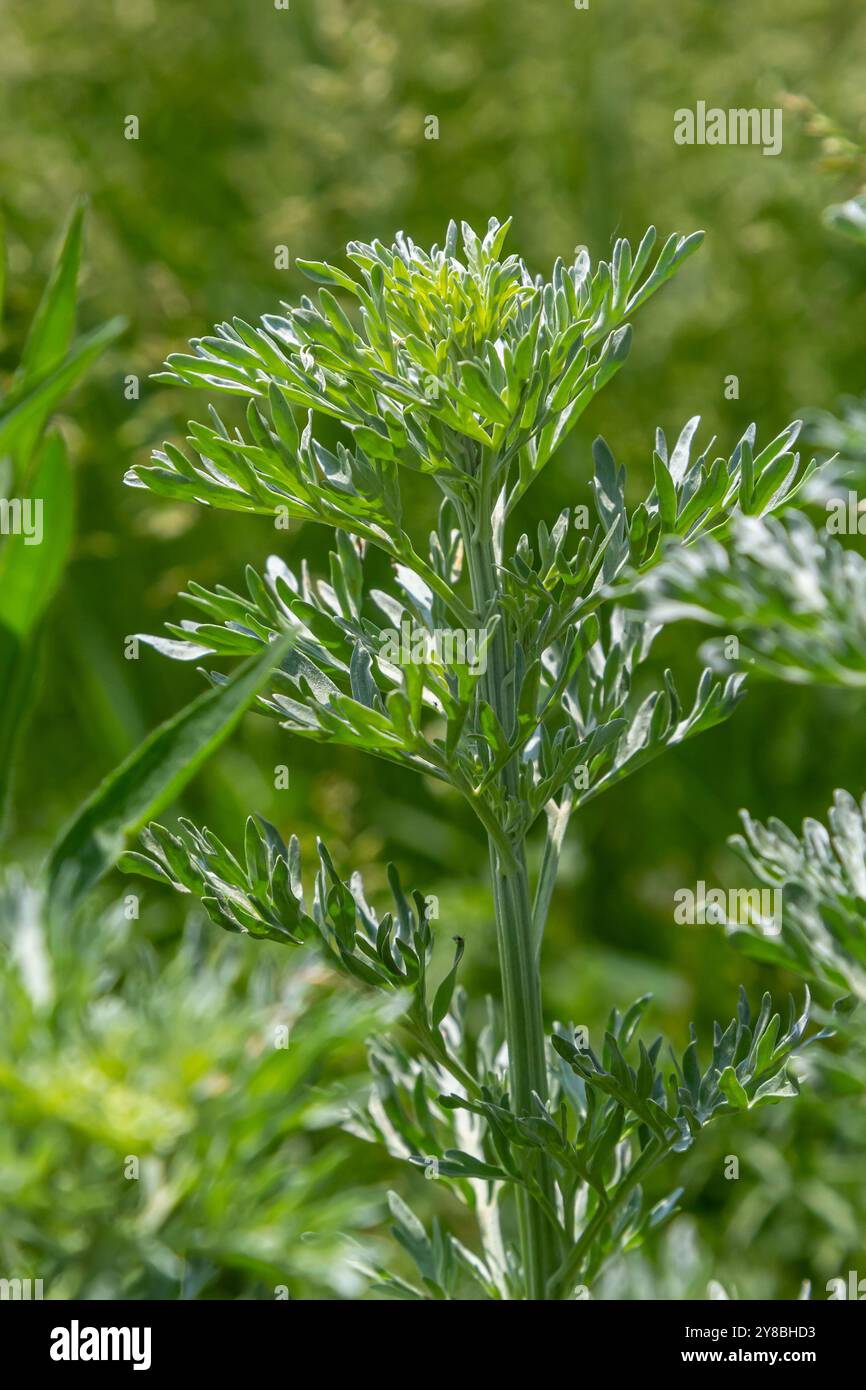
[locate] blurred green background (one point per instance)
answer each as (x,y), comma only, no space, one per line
(305,127)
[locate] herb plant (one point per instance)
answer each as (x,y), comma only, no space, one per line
(497,665)
(197,1140)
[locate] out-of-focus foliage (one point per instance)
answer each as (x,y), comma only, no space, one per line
(792,596)
(822,877)
(160,1116)
(35,482)
(849,218)
(805,1170)
(262,128)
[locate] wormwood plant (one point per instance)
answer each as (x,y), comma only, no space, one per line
(154,1080)
(459,368)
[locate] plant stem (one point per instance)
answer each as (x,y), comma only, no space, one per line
(524,1032)
(569,1269)
(436,1051)
(518,959)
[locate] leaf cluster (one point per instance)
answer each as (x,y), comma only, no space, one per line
(821,874)
(438,354)
(794,596)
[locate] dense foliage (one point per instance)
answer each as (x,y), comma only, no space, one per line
(460,366)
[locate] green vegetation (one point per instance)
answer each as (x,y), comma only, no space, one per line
(462,367)
(271,137)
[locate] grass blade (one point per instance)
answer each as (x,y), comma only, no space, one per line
(151,777)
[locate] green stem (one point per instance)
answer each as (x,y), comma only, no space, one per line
(410,557)
(561,1282)
(518,959)
(434,1048)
